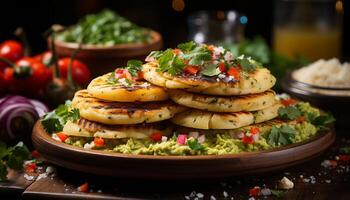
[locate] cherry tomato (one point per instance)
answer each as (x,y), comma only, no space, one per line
(156,136)
(191,70)
(11,50)
(234,72)
(247,140)
(62,136)
(80,72)
(99,142)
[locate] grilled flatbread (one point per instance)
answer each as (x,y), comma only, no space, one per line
(200,119)
(136,91)
(251,102)
(108,112)
(255,82)
(86,128)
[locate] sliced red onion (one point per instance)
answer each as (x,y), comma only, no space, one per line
(181,139)
(40,108)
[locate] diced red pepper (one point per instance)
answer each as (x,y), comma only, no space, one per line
(62,136)
(176,51)
(344,158)
(156,136)
(191,70)
(99,142)
(84,187)
(254,130)
(222,67)
(181,139)
(122,73)
(288,102)
(247,140)
(255,191)
(30,168)
(233,71)
(35,154)
(300,119)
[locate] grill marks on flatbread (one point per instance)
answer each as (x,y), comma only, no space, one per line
(251,102)
(137,91)
(109,112)
(258,81)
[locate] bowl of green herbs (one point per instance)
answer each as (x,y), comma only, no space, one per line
(106,40)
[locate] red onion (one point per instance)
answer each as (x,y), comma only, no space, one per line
(18,116)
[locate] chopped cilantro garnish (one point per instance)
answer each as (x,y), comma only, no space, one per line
(194,144)
(111,79)
(56,119)
(247,64)
(281,136)
(198,55)
(278,193)
(171,63)
(289,112)
(134,66)
(12,157)
(188,46)
(210,70)
(322,120)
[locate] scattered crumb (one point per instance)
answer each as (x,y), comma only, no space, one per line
(285,183)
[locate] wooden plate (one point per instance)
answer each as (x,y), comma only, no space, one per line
(177,167)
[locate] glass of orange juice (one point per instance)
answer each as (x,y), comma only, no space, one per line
(308,28)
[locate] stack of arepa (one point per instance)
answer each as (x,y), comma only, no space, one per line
(120,105)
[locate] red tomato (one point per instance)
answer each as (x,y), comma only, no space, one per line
(254,130)
(62,136)
(211,48)
(84,187)
(80,72)
(344,158)
(99,142)
(156,136)
(288,102)
(45,57)
(11,50)
(247,140)
(35,154)
(255,191)
(222,67)
(191,70)
(30,168)
(176,51)
(122,73)
(234,72)
(139,76)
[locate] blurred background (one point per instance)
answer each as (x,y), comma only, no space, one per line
(318,21)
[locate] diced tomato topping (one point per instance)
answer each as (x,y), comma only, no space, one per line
(288,102)
(84,187)
(300,119)
(191,70)
(222,67)
(156,136)
(139,76)
(62,136)
(181,139)
(255,191)
(176,51)
(211,48)
(344,158)
(30,168)
(35,154)
(333,163)
(99,142)
(254,130)
(247,140)
(122,73)
(233,71)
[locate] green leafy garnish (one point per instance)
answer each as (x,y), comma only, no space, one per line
(188,46)
(289,112)
(281,136)
(345,150)
(322,120)
(278,193)
(134,66)
(198,55)
(247,64)
(194,144)
(111,79)
(55,120)
(12,157)
(210,70)
(171,63)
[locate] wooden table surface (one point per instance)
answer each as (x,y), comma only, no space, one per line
(312,181)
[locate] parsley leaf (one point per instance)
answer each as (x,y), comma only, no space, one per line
(210,70)
(281,136)
(56,119)
(345,150)
(155,54)
(188,46)
(170,63)
(322,120)
(197,56)
(247,64)
(134,66)
(289,112)
(278,193)
(194,144)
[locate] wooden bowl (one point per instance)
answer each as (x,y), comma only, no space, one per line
(103,59)
(177,167)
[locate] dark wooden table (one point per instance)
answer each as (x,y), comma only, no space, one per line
(312,181)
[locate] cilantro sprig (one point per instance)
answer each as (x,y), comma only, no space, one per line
(194,144)
(134,66)
(55,120)
(281,135)
(170,62)
(289,112)
(12,157)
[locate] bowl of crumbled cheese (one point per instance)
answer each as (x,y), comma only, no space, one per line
(324,83)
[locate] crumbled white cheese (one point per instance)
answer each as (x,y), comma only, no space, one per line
(222,76)
(228,56)
(225,194)
(201,139)
(164,138)
(89,145)
(285,183)
(265,191)
(212,197)
(55,137)
(28,177)
(200,195)
(41,176)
